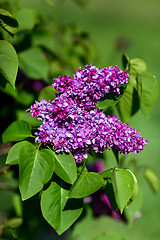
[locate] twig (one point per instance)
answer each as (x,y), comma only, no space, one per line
(5,169)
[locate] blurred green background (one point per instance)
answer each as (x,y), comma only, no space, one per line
(116,27)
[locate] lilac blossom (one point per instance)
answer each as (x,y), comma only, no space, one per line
(90,84)
(70,123)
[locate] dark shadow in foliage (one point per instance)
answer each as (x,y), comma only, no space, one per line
(2,81)
(111,98)
(73,204)
(110,194)
(23,41)
(60,182)
(9,21)
(135,102)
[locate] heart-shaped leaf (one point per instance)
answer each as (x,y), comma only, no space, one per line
(52,205)
(124,185)
(35,169)
(86,184)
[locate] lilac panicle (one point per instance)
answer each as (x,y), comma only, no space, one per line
(70,123)
(90,84)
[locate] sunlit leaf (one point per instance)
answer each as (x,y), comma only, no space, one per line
(86,184)
(137,65)
(8,63)
(47,93)
(12,157)
(35,169)
(124,185)
(17,131)
(148,89)
(52,205)
(65,167)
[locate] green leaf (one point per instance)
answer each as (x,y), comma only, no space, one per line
(124,185)
(52,205)
(34,63)
(21,115)
(12,157)
(8,63)
(8,22)
(47,93)
(106,174)
(27,19)
(148,89)
(152,179)
(109,236)
(137,65)
(65,167)
(35,169)
(129,103)
(86,184)
(17,131)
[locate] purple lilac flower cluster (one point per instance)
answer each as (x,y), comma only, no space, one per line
(90,84)
(72,124)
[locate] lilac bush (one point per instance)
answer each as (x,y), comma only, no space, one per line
(72,123)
